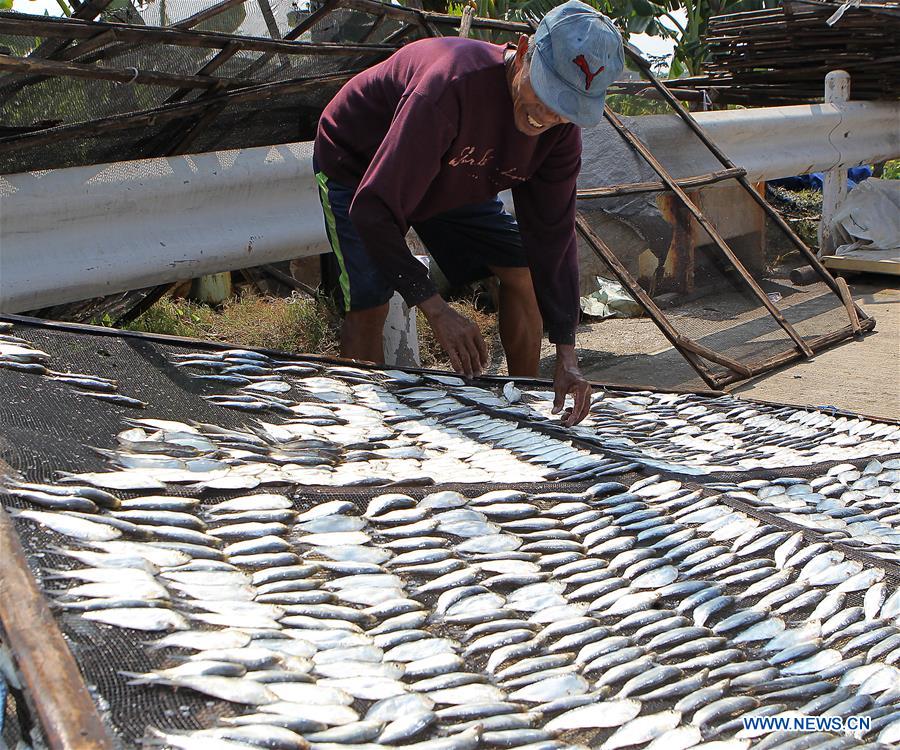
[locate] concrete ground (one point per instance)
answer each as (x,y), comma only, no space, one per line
(861,376)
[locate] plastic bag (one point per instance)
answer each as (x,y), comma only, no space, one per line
(611,300)
(871,216)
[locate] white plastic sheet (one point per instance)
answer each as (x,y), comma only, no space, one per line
(870,216)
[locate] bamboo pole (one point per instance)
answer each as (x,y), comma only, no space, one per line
(92,72)
(658,186)
(67,713)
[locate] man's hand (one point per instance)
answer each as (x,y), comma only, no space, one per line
(568,380)
(458,335)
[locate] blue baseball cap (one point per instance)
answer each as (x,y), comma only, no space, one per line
(577,55)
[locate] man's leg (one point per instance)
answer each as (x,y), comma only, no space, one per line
(362,335)
(476,241)
(364,293)
(521,325)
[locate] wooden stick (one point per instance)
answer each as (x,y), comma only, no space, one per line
(847,299)
(92,72)
(66,711)
(289,280)
(220,59)
(205,15)
(136,309)
(194,131)
(656,187)
(269,18)
(311,20)
(379,22)
(603,251)
(707,225)
(714,356)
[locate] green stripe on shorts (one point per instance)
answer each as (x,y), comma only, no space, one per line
(331,228)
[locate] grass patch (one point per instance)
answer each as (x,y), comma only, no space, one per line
(802,209)
(295,324)
(430,351)
(292,324)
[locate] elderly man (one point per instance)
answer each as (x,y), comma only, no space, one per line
(427,139)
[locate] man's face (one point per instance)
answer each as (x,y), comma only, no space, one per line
(532,117)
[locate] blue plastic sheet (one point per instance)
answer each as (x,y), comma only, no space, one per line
(814,181)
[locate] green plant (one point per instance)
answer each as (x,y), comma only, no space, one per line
(891,170)
(634,17)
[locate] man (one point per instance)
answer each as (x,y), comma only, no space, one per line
(427,139)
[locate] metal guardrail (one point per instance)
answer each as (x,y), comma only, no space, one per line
(72,234)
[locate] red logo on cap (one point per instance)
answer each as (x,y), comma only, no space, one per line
(588,76)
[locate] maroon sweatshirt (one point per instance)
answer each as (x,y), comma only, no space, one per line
(431,129)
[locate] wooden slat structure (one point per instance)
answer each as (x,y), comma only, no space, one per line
(781,55)
(865,261)
(695,352)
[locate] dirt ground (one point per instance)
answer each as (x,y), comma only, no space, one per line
(861,376)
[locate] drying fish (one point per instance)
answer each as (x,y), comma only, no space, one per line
(72,526)
(150,618)
(598,715)
(642,729)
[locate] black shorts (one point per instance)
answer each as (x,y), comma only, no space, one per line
(464,243)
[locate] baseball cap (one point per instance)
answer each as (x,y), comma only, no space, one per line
(577,55)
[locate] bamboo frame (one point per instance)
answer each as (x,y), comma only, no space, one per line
(690,349)
(770,212)
(164,113)
(708,227)
(21,24)
(605,253)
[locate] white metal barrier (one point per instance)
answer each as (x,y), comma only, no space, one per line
(71,234)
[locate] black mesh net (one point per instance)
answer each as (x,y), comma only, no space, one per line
(264,94)
(47,427)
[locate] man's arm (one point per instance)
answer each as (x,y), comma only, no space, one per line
(545,211)
(403,168)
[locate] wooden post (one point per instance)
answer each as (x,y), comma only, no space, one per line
(465,25)
(213,289)
(834,188)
